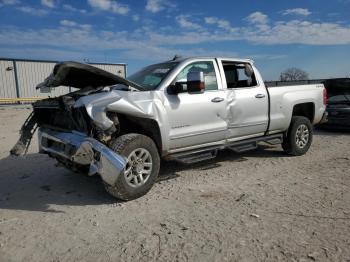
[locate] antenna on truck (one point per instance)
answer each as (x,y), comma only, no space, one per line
(176,57)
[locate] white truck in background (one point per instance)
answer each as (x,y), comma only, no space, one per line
(185,109)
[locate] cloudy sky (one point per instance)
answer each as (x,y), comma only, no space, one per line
(310,34)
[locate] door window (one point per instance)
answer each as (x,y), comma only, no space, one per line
(207,67)
(239,75)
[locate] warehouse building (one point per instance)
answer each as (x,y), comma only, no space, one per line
(19,77)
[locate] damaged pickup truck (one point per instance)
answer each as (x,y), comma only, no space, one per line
(185,109)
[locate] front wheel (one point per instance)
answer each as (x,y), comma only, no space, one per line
(299,136)
(142,166)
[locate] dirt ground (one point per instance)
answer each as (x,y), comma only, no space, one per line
(257,206)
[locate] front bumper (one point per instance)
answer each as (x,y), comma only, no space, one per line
(83,150)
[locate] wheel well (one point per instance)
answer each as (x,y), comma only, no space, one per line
(144,126)
(306,109)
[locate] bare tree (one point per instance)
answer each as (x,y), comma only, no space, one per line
(293,74)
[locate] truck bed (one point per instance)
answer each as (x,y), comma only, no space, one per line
(293,83)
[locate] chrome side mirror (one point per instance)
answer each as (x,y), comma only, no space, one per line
(195,82)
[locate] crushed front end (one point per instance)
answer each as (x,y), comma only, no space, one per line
(76,149)
(67,132)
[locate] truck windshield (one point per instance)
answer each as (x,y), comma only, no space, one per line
(151,76)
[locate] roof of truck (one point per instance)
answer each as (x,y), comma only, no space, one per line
(181,59)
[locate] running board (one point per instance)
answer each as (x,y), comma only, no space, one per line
(244,147)
(252,143)
(194,157)
(198,155)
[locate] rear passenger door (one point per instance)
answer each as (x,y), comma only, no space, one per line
(247,101)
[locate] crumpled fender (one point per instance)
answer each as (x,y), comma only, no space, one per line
(96,107)
(147,104)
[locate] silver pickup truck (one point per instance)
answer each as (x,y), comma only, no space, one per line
(182,109)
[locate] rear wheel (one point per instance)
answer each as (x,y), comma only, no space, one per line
(299,136)
(142,166)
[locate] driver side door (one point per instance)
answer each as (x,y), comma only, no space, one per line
(197,119)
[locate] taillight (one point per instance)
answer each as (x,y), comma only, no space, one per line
(325,96)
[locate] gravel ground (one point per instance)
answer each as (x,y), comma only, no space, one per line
(257,206)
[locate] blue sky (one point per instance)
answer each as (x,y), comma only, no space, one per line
(313,35)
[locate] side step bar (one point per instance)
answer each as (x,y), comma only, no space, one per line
(202,154)
(252,143)
(195,157)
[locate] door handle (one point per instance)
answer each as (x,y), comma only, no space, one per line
(217,100)
(260,96)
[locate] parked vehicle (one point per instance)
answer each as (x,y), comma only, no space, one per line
(338,103)
(183,109)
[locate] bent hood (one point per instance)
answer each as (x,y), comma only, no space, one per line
(79,75)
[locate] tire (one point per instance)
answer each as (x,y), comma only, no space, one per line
(299,136)
(143,162)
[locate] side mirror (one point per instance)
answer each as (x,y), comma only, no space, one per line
(195,82)
(176,88)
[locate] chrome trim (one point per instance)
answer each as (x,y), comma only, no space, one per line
(81,149)
(247,125)
(197,134)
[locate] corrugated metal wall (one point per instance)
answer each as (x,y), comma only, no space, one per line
(7,80)
(31,73)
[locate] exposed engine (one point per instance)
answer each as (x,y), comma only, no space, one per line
(61,115)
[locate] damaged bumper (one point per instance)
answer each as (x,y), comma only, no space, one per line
(83,150)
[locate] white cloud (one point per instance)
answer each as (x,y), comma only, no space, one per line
(155,6)
(257,18)
(297,11)
(221,23)
(109,5)
(48,3)
(302,32)
(74,9)
(69,23)
(32,11)
(43,53)
(184,22)
(135,18)
(163,42)
(9,2)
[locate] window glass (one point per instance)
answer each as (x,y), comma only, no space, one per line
(208,70)
(151,76)
(238,76)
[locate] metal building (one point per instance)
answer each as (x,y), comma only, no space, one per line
(19,77)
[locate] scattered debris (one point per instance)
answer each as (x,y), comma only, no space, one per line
(184,228)
(241,197)
(313,255)
(254,215)
(95,224)
(325,251)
